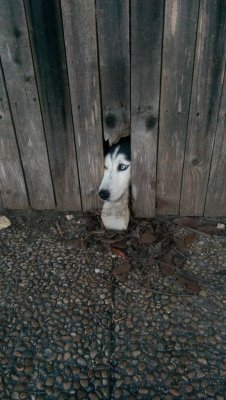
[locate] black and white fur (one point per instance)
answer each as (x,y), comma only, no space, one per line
(117,171)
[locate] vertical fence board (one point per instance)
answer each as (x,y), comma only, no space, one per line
(1,201)
(12,185)
(23,96)
(180,27)
(113,37)
(44,20)
(216,194)
(206,91)
(146,47)
(81,49)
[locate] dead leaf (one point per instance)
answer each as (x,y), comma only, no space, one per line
(116,239)
(147,238)
(59,230)
(91,233)
(166,267)
(189,239)
(92,222)
(178,260)
(119,253)
(188,222)
(121,277)
(163,242)
(209,229)
(160,228)
(167,258)
(146,224)
(189,285)
(121,245)
(122,268)
(180,245)
(74,244)
(197,224)
(120,272)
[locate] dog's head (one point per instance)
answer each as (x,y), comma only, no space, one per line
(117,171)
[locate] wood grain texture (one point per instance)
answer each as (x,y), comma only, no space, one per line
(113,37)
(81,49)
(13,189)
(23,96)
(216,193)
(1,201)
(180,26)
(45,25)
(146,47)
(205,99)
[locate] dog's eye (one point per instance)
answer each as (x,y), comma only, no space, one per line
(122,167)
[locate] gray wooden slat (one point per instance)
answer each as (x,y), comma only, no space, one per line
(216,192)
(113,38)
(81,49)
(146,47)
(180,26)
(12,185)
(206,91)
(23,96)
(1,201)
(46,32)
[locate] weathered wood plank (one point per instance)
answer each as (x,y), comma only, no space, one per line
(23,97)
(216,193)
(180,26)
(205,99)
(13,189)
(1,201)
(146,47)
(113,38)
(81,49)
(45,25)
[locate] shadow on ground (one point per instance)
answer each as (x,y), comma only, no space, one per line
(87,314)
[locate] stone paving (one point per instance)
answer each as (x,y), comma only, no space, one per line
(71,329)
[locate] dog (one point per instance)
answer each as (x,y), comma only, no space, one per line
(117,171)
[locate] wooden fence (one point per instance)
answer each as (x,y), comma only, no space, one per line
(76,71)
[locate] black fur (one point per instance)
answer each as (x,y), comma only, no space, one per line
(124,148)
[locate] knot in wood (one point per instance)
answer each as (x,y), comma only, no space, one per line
(150,122)
(110,121)
(195,161)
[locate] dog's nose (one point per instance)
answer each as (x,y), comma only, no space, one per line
(104,194)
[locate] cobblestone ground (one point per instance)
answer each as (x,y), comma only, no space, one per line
(71,329)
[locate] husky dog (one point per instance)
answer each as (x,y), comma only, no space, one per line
(117,171)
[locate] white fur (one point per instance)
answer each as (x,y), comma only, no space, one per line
(115,181)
